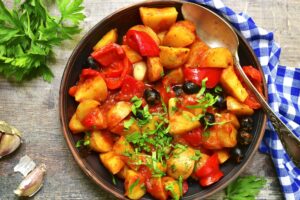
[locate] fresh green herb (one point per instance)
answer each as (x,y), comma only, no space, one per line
(128,123)
(137,103)
(196,156)
(180,182)
(162,74)
(203,88)
(245,188)
(170,187)
(168,89)
(135,183)
(218,89)
(204,101)
(85,141)
(206,134)
(28,34)
(113,178)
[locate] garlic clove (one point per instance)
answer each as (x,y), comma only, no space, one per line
(8,144)
(25,165)
(32,183)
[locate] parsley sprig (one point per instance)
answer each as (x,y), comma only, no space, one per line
(28,34)
(245,188)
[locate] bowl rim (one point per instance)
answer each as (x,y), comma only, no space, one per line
(82,163)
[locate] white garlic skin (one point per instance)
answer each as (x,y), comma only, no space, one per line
(32,183)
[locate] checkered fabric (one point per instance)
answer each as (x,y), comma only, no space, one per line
(283,92)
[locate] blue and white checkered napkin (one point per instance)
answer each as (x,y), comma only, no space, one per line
(283,92)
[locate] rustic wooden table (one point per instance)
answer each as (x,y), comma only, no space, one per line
(33,107)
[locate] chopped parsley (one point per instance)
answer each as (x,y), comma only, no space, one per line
(180,182)
(128,123)
(135,183)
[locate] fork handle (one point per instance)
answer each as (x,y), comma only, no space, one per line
(290,141)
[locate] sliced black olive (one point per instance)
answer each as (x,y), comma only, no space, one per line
(92,63)
(151,96)
(221,102)
(244,138)
(190,88)
(178,90)
(246,124)
(237,154)
(208,119)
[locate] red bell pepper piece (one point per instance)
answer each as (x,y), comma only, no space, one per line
(194,137)
(108,54)
(114,70)
(196,75)
(210,172)
(116,82)
(89,73)
(142,43)
(210,179)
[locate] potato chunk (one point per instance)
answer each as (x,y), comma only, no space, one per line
(158,19)
(92,88)
(131,54)
(100,142)
(171,57)
(217,57)
(147,30)
(156,188)
(134,185)
(75,125)
(181,34)
(232,84)
(197,51)
(238,108)
(110,37)
(155,69)
(112,162)
(183,122)
(181,162)
(122,147)
(172,186)
(117,113)
(85,107)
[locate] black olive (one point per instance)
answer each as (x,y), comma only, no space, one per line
(207,119)
(221,102)
(92,63)
(246,124)
(190,88)
(244,138)
(139,115)
(237,154)
(152,96)
(178,90)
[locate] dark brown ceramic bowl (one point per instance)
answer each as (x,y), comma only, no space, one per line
(122,20)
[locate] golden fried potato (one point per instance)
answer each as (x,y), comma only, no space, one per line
(161,36)
(223,155)
(122,147)
(121,130)
(155,69)
(197,50)
(181,34)
(131,54)
(147,30)
(134,185)
(75,125)
(174,77)
(100,142)
(110,37)
(232,84)
(217,57)
(181,162)
(238,108)
(156,188)
(182,122)
(85,107)
(112,162)
(117,113)
(171,57)
(158,19)
(92,88)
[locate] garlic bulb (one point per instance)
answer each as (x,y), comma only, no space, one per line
(10,139)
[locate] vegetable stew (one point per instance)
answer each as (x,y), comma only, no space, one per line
(162,107)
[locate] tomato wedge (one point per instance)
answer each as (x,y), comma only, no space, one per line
(194,137)
(130,88)
(196,75)
(108,54)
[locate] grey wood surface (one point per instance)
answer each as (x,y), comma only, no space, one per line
(33,107)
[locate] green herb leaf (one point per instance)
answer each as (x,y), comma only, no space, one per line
(135,183)
(28,34)
(245,188)
(128,123)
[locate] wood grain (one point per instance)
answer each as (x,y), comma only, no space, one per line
(33,107)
